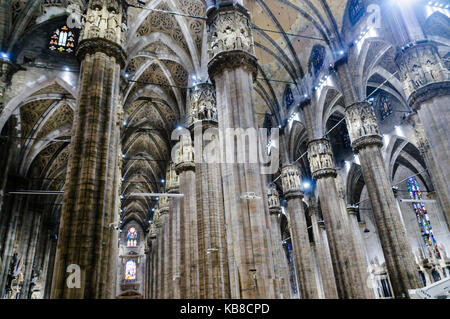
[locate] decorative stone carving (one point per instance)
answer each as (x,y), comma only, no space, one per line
(422,142)
(321,158)
(362,125)
(15,278)
(230,40)
(290,178)
(105,20)
(172,181)
(163,205)
(420,65)
(229,29)
(184,158)
(273,199)
(202,106)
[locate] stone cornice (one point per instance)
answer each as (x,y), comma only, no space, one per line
(230,60)
(94,45)
(184,166)
(326,172)
(291,194)
(428,92)
(365,141)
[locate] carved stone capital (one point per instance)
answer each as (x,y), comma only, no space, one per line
(172,181)
(367,140)
(7,70)
(163,205)
(420,65)
(231,60)
(362,125)
(320,158)
(290,178)
(106,19)
(428,92)
(202,104)
(272,198)
(230,40)
(184,156)
(91,46)
(422,142)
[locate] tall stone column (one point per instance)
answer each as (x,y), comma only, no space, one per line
(367,142)
(232,67)
(153,261)
(282,290)
(172,186)
(213,262)
(322,253)
(164,261)
(303,259)
(189,269)
(348,260)
(426,82)
(85,237)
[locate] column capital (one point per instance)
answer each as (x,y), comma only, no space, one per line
(172,180)
(230,40)
(290,178)
(422,72)
(202,104)
(7,70)
(273,199)
(320,158)
(184,157)
(163,205)
(104,30)
(362,126)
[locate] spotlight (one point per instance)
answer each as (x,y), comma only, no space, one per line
(66,69)
(162,181)
(306,185)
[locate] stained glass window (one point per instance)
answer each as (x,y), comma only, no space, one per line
(130,270)
(62,40)
(385,107)
(422,218)
(132,237)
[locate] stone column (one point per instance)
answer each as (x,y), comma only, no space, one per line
(153,261)
(322,253)
(303,260)
(426,82)
(213,257)
(172,186)
(164,261)
(282,290)
(348,260)
(232,67)
(189,269)
(84,236)
(433,164)
(367,142)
